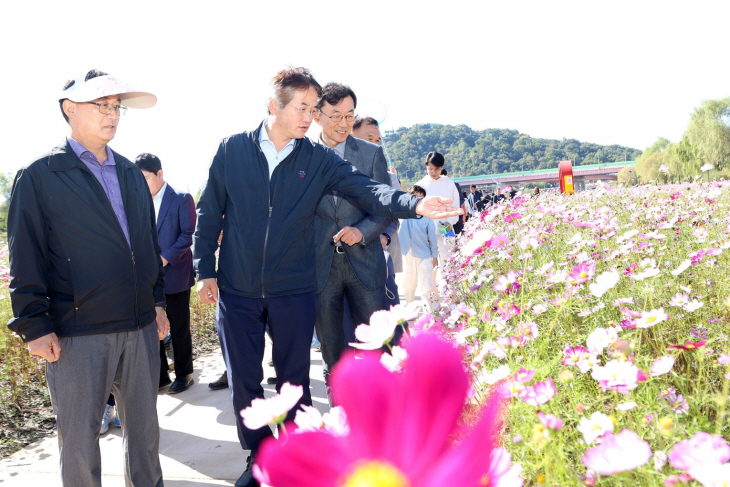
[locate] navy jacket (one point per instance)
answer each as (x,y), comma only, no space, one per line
(72,271)
(268,232)
(175,227)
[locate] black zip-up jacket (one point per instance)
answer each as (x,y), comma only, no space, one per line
(72,271)
(268,247)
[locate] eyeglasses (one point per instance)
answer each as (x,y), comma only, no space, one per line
(108,108)
(313,112)
(338,118)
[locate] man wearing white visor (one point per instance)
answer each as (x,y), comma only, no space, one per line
(87,282)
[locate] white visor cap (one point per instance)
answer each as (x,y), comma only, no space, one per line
(81,91)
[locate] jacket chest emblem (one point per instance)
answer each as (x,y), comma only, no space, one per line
(302,174)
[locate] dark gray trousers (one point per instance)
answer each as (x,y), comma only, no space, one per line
(127,364)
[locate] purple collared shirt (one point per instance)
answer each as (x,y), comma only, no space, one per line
(106,174)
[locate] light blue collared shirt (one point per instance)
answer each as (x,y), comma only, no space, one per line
(272,156)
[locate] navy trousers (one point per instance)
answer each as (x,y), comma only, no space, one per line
(241,324)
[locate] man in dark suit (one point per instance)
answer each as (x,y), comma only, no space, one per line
(350,258)
(175,213)
(475,202)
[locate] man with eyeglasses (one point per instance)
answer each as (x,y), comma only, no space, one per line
(350,260)
(87,285)
(268,183)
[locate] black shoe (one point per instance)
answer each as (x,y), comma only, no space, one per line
(246,479)
(221,383)
(165,381)
(271,380)
(181,384)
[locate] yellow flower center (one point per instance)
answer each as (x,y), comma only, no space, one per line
(651,319)
(583,275)
(376,474)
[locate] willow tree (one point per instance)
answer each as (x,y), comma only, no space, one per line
(709,133)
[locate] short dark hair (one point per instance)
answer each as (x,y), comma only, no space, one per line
(473,186)
(333,93)
(444,172)
(148,162)
(287,81)
(359,121)
(94,73)
(416,189)
(436,159)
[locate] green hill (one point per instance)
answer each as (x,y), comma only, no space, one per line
(471,152)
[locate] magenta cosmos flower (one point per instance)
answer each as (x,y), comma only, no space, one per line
(404,430)
(702,449)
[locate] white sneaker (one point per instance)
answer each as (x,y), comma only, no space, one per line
(109,415)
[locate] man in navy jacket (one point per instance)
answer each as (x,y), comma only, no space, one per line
(175,213)
(267,183)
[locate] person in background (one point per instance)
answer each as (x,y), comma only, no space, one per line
(420,251)
(87,282)
(459,226)
(266,272)
(350,261)
(437,185)
(367,128)
(175,215)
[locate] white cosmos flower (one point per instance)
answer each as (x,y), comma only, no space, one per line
(706,167)
(272,410)
(651,318)
(662,365)
(493,376)
(477,241)
(650,272)
(682,267)
(603,283)
(693,305)
(626,406)
(394,360)
(594,427)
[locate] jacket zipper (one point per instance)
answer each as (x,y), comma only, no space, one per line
(131,250)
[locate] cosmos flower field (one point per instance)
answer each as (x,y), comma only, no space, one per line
(602,319)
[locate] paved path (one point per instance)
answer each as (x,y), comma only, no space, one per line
(198,440)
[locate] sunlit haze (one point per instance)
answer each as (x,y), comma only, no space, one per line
(622,72)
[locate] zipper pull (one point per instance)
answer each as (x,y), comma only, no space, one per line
(271,208)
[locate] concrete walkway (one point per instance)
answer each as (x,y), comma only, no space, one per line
(198,440)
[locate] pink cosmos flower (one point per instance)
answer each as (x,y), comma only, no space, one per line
(689,345)
(523,376)
(272,410)
(385,446)
(700,450)
(723,359)
(618,453)
(582,273)
(550,421)
(500,242)
(573,355)
(712,475)
(541,393)
(679,300)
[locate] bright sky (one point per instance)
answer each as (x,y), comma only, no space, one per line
(620,72)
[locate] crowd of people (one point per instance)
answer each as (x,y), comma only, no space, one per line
(103,254)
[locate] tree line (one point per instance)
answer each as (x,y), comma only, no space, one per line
(470,152)
(704,147)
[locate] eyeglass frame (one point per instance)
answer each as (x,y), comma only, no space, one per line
(118,109)
(303,111)
(339,117)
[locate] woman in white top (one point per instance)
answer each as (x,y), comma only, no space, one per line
(437,185)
